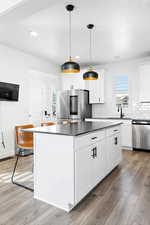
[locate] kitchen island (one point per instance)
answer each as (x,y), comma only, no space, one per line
(71,159)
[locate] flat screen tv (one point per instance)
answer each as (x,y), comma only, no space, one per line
(9,92)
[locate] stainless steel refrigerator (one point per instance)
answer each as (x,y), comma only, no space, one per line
(74,105)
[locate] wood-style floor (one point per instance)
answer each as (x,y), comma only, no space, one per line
(123,198)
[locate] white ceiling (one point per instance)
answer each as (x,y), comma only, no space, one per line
(122,29)
(8,4)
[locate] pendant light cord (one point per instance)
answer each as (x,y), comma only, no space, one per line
(90,50)
(70,36)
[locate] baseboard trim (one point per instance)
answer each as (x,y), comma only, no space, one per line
(127,148)
(141,150)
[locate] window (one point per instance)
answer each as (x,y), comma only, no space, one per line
(121,90)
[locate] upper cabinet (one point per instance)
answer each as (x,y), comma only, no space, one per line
(96,87)
(72,80)
(144,82)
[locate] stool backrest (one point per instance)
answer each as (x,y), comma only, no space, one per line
(47,124)
(24,139)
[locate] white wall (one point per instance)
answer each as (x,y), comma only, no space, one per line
(17,67)
(127,68)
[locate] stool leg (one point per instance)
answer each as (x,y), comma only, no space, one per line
(14,170)
(13,174)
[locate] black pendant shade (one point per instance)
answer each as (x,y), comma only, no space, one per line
(70,67)
(90,75)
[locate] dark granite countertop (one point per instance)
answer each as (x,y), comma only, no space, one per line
(112,118)
(73,129)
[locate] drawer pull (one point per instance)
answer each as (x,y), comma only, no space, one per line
(93,138)
(115,130)
(116,141)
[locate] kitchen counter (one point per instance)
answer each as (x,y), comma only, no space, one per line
(112,118)
(73,129)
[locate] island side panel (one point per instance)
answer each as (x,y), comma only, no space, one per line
(54,170)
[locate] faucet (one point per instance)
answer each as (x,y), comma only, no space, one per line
(120,109)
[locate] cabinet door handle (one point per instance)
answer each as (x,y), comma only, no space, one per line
(116,141)
(93,138)
(3,143)
(95,150)
(93,154)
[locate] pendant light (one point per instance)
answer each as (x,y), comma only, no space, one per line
(70,66)
(90,74)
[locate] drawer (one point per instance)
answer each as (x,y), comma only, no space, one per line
(113,130)
(89,139)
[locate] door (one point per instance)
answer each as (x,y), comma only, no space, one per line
(98,163)
(83,171)
(126,138)
(117,149)
(90,164)
(36,101)
(114,154)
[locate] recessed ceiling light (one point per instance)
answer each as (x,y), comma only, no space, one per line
(34,33)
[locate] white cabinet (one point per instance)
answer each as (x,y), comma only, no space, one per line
(72,80)
(83,174)
(90,167)
(115,150)
(144,82)
(114,154)
(96,88)
(126,138)
(126,134)
(99,162)
(94,162)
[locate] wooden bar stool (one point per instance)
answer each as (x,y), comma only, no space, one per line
(24,141)
(47,124)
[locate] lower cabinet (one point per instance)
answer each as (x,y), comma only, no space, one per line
(98,163)
(94,162)
(114,154)
(127,134)
(89,163)
(83,172)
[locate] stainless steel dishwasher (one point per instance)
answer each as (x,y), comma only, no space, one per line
(141,134)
